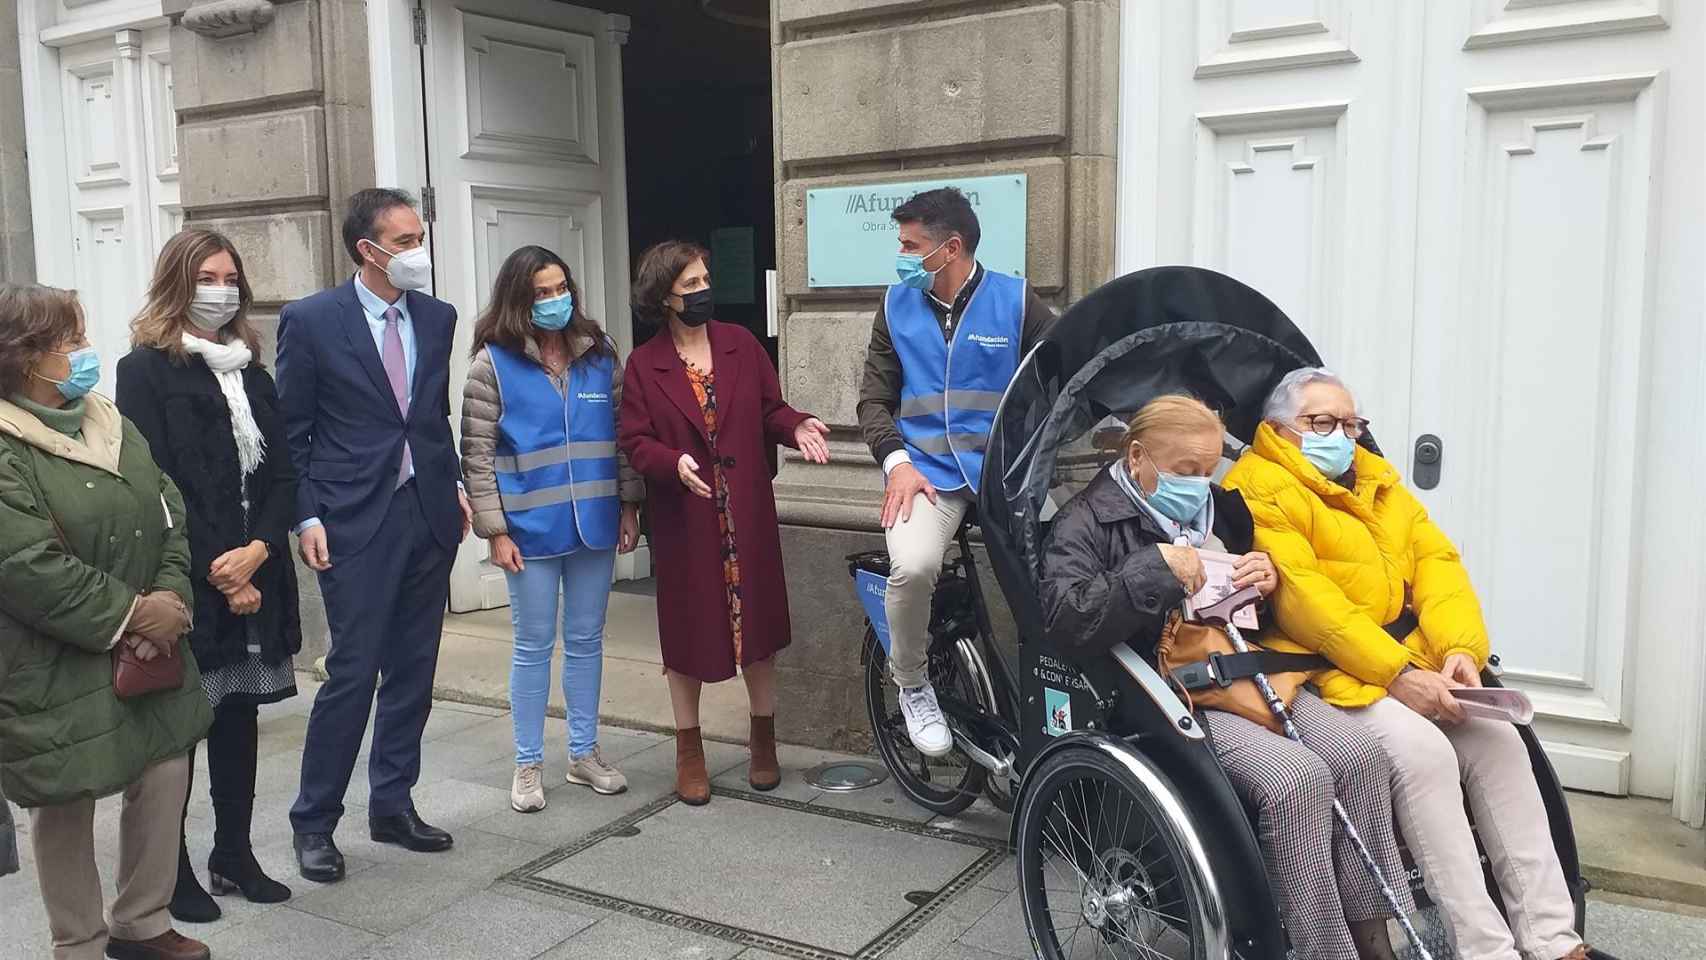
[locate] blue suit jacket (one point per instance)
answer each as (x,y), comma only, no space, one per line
(346,434)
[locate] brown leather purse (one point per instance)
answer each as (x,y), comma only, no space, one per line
(134,677)
(1184,645)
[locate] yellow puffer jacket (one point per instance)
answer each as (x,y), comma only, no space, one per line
(1344,559)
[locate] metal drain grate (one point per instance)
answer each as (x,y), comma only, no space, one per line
(843,776)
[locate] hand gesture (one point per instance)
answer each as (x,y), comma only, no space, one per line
(809,437)
(235,568)
(311,544)
(467,511)
(1460,668)
(160,618)
(1429,694)
(628,534)
(244,600)
(506,555)
(904,485)
(687,470)
(1186,566)
(1255,570)
(144,650)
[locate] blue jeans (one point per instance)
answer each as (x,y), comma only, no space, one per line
(583,577)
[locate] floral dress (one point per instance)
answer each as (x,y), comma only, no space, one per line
(705,391)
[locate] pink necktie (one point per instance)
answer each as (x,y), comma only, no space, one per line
(397,371)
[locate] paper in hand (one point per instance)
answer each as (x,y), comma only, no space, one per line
(1496,703)
(1218,586)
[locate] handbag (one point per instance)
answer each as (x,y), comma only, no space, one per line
(134,677)
(1193,653)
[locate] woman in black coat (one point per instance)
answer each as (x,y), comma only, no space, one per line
(192,385)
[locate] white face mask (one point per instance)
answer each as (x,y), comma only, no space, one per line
(213,307)
(408,270)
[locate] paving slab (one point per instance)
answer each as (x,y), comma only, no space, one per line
(283,934)
(768,868)
(388,898)
(483,925)
(619,936)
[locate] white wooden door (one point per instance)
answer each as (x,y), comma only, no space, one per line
(1557,333)
(1486,215)
(525,145)
(120,180)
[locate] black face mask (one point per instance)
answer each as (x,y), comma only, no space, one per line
(696,308)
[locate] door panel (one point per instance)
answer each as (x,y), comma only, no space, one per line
(524,135)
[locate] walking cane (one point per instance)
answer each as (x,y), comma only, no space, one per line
(1220,615)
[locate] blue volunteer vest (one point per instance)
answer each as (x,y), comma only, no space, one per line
(556,455)
(949,391)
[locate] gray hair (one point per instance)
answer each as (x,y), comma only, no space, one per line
(1286,400)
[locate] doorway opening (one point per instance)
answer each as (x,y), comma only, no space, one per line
(697,112)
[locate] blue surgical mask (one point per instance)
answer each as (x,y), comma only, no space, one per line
(1179,498)
(910,268)
(555,313)
(85,373)
(1330,454)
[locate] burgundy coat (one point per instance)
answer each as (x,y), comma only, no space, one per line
(660,421)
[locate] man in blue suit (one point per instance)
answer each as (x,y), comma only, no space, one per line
(364,384)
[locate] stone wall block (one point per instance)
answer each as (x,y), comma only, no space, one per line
(282,60)
(802,13)
(284,254)
(828,626)
(256,159)
(825,358)
(1045,224)
(973,81)
(1095,77)
(1094,183)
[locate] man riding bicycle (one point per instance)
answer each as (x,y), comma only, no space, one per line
(947,340)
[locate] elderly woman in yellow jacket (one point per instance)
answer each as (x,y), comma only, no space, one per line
(1370,583)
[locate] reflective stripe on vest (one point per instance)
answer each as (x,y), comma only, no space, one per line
(949,391)
(556,455)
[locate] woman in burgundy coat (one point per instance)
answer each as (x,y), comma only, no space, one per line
(701,411)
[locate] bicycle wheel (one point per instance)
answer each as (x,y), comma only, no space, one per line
(1104,873)
(947,784)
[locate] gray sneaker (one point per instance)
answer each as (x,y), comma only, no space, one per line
(526,791)
(592,771)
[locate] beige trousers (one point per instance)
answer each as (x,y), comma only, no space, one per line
(1435,767)
(916,547)
(63,837)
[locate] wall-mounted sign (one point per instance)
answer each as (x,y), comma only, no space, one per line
(851,240)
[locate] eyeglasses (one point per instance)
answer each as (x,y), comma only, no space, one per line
(1323,424)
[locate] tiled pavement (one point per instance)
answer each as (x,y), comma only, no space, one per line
(793,873)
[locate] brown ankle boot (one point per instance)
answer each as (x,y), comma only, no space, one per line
(692,783)
(764,773)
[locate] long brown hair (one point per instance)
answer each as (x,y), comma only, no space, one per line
(653,278)
(166,312)
(33,320)
(508,319)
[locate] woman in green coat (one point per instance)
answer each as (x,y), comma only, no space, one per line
(92,555)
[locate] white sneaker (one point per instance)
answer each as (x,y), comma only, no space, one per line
(526,791)
(592,771)
(924,721)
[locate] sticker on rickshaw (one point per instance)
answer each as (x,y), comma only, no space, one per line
(1058,703)
(873,591)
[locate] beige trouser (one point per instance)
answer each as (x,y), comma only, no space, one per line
(1489,759)
(63,837)
(916,546)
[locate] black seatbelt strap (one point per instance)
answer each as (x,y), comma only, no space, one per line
(1221,669)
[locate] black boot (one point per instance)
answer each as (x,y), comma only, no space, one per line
(231,867)
(190,903)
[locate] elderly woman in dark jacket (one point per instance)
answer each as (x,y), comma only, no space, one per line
(1121,558)
(92,555)
(193,387)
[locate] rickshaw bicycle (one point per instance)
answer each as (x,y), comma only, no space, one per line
(1104,753)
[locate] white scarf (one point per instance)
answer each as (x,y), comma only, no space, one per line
(227,361)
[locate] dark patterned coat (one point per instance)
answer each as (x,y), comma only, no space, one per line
(660,420)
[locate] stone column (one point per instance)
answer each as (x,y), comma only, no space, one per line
(17,241)
(274,133)
(868,91)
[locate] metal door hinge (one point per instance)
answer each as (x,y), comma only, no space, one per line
(420,26)
(429,204)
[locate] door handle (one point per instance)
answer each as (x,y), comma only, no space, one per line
(1430,450)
